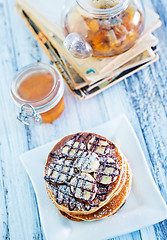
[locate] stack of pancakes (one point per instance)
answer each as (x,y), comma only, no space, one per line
(87,177)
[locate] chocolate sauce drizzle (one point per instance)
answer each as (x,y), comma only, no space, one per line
(101,171)
(66,161)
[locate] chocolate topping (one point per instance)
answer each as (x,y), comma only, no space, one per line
(62,168)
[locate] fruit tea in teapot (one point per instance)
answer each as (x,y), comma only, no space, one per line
(102,28)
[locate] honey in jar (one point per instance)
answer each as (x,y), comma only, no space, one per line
(40,86)
(109,27)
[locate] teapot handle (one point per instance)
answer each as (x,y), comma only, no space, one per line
(78,46)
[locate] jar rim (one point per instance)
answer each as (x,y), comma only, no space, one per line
(50,99)
(98,12)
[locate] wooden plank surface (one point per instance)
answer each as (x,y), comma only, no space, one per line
(142,98)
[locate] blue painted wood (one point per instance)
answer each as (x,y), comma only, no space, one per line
(142,98)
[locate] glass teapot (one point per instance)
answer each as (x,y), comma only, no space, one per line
(102,28)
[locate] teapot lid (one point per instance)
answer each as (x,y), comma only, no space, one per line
(103,7)
(102,4)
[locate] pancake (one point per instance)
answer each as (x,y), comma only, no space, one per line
(67,160)
(84,173)
(70,217)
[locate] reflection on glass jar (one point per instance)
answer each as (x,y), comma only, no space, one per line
(40,86)
(110,27)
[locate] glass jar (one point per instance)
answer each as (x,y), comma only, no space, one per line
(37,90)
(110,27)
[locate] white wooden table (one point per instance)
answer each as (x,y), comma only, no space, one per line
(142,98)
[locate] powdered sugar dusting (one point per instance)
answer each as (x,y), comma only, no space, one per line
(82,153)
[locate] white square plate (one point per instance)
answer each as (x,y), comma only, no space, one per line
(144,206)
